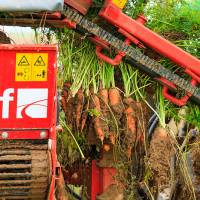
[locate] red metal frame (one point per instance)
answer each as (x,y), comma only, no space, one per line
(137,33)
(134,32)
(27,127)
(101,179)
(134,27)
(81,5)
(24,134)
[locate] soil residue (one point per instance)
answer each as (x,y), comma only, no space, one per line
(160,153)
(195,158)
(4,39)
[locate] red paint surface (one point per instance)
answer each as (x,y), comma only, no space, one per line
(29,128)
(7,80)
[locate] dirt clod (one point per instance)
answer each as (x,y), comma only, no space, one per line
(195,158)
(161,150)
(113,192)
(4,39)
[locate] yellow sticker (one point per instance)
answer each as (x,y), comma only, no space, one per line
(23,67)
(120,3)
(39,67)
(31,67)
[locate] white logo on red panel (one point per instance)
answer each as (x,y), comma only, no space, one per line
(31,103)
(6,98)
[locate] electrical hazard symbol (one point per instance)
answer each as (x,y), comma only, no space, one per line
(39,62)
(31,67)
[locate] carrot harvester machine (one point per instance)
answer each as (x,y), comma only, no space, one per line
(28,86)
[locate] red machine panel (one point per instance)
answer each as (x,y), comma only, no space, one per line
(27,87)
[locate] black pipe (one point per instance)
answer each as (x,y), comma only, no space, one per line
(153,121)
(76,196)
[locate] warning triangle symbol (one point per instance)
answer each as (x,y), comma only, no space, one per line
(39,62)
(23,62)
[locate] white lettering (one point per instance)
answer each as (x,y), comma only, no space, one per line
(6,98)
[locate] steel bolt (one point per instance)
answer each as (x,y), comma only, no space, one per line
(43,134)
(4,135)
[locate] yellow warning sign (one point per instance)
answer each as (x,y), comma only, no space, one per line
(23,61)
(39,67)
(23,67)
(31,66)
(119,3)
(40,62)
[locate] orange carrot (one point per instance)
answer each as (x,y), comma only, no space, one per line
(79,108)
(131,122)
(117,106)
(114,96)
(131,130)
(104,96)
(103,93)
(69,113)
(63,103)
(97,120)
(64,100)
(60,185)
(67,85)
(85,115)
(142,116)
(115,100)
(106,147)
(112,137)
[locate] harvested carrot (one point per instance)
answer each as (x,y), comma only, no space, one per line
(61,192)
(131,121)
(142,117)
(114,96)
(103,93)
(117,106)
(79,108)
(131,130)
(63,103)
(112,138)
(66,90)
(67,85)
(115,100)
(85,115)
(65,94)
(97,120)
(69,102)
(104,96)
(106,147)
(64,100)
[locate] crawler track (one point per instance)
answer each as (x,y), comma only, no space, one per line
(24,170)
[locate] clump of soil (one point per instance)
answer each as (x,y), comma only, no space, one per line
(173,35)
(160,153)
(183,190)
(113,192)
(195,158)
(4,39)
